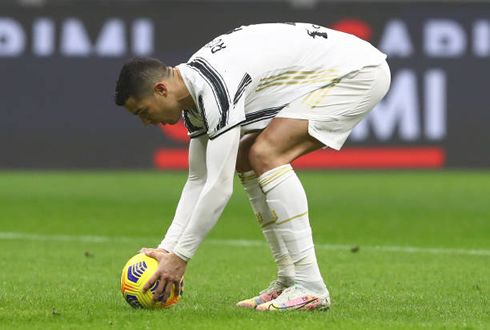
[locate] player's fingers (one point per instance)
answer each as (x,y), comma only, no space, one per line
(153,254)
(158,292)
(176,289)
(143,250)
(150,282)
(166,292)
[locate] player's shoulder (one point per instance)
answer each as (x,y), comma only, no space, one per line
(245,34)
(252,30)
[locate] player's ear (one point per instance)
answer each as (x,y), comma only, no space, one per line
(160,88)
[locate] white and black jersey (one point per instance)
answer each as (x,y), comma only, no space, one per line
(246,76)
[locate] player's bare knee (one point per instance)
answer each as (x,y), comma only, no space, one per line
(261,158)
(242,161)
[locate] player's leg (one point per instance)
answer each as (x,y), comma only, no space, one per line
(324,117)
(285,273)
(281,142)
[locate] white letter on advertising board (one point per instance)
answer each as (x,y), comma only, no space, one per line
(43,33)
(435,105)
(12,38)
(112,39)
(444,38)
(481,38)
(142,37)
(395,41)
(74,39)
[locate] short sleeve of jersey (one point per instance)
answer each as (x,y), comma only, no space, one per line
(217,90)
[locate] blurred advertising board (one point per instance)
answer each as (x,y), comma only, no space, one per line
(59,64)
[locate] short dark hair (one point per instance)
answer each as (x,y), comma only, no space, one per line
(136,76)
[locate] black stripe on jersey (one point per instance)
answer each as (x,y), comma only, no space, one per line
(262,114)
(190,127)
(218,86)
(246,80)
(196,136)
(224,131)
(203,112)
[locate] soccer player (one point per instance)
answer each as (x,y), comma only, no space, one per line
(254,99)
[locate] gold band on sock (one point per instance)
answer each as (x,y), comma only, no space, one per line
(292,218)
(275,175)
(271,222)
(247,177)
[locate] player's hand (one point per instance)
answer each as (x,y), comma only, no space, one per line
(169,272)
(145,250)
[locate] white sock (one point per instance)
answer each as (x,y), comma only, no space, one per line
(286,196)
(285,268)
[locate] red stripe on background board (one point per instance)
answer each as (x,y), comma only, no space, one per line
(362,158)
(171,159)
(394,157)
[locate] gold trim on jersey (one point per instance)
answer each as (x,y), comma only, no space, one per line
(296,77)
(318,95)
(292,81)
(296,73)
(316,91)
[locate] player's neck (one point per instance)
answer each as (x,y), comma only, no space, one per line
(183,96)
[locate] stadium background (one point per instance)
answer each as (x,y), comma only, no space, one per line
(59,61)
(79,194)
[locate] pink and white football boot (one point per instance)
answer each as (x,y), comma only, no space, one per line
(271,293)
(297,298)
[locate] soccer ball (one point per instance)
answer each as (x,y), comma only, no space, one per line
(135,274)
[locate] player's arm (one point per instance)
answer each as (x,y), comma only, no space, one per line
(190,193)
(220,162)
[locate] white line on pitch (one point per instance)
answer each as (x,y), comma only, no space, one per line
(340,247)
(233,242)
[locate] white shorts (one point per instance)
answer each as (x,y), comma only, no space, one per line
(334,110)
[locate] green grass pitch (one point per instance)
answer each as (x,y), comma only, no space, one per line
(423,258)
